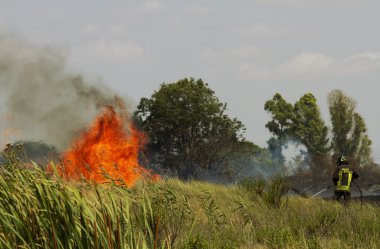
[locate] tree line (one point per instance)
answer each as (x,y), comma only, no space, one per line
(191,135)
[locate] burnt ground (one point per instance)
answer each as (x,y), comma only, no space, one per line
(366,188)
(329,195)
(363,190)
(369,199)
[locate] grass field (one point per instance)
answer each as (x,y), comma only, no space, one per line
(41,211)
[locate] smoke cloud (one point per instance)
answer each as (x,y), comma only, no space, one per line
(40,98)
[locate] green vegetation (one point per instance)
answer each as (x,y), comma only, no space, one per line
(282,115)
(190,132)
(309,126)
(192,137)
(303,124)
(40,210)
(350,135)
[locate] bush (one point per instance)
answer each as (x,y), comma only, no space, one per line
(271,191)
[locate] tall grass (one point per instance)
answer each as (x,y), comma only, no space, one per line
(270,192)
(38,210)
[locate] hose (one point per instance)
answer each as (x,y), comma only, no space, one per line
(320,192)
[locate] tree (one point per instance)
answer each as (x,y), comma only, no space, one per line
(301,122)
(282,115)
(189,129)
(349,132)
(280,125)
(309,127)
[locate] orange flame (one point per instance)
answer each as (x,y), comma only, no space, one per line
(106,151)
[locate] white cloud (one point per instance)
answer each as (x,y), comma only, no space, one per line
(314,65)
(118,30)
(368,56)
(116,49)
(312,3)
(252,71)
(282,2)
(359,63)
(240,52)
(244,51)
(210,54)
(263,31)
(104,30)
(154,5)
(197,9)
(308,63)
(256,30)
(90,29)
(137,13)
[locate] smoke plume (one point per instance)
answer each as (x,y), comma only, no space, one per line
(40,97)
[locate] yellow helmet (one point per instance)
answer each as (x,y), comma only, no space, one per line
(341,160)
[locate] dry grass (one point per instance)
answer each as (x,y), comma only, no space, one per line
(41,211)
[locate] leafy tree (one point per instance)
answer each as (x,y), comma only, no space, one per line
(301,122)
(280,125)
(349,132)
(282,115)
(309,127)
(189,129)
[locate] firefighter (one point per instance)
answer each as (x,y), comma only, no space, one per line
(342,178)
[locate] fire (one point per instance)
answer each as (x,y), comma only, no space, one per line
(107,150)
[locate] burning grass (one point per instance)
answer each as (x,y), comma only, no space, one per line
(108,149)
(41,211)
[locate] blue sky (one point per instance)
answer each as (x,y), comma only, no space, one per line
(246,50)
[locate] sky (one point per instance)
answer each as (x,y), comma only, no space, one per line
(246,50)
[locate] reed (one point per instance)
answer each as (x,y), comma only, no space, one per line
(40,210)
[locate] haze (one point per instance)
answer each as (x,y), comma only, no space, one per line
(246,50)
